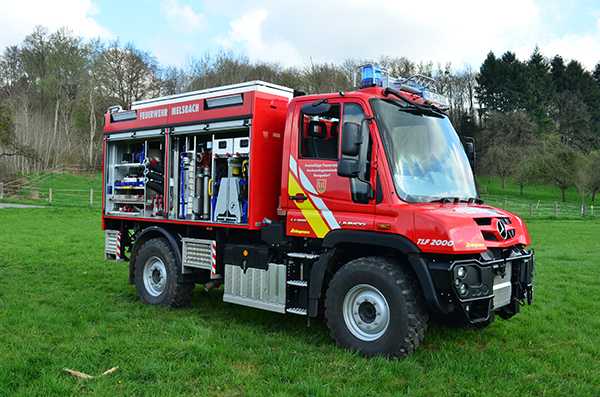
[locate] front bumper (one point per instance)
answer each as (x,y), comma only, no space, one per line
(478,287)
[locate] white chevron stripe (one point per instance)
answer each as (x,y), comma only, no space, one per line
(306,184)
(294,166)
(327,214)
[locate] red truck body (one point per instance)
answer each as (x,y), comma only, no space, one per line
(295,212)
(267,113)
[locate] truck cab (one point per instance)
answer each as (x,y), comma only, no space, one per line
(361,208)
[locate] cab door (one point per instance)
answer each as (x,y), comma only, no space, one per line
(318,199)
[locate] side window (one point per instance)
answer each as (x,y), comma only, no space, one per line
(353,113)
(319,135)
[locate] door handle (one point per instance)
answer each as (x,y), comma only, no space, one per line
(298,197)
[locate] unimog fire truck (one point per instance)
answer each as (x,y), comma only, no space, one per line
(359,207)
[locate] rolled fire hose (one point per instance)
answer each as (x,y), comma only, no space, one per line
(157,187)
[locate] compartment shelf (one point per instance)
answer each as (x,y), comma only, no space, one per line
(126,213)
(126,201)
(129,187)
(130,165)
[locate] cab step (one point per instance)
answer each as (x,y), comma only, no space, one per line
(298,283)
(302,255)
(296,310)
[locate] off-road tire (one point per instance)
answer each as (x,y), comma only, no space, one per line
(408,317)
(177,292)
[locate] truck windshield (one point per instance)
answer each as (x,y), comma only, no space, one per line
(426,156)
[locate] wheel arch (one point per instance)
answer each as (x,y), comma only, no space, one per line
(146,234)
(342,246)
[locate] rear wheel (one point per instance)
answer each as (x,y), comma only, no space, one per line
(158,278)
(375,307)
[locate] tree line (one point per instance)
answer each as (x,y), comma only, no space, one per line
(534,120)
(540,122)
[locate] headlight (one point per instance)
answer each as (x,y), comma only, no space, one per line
(461,272)
(463,289)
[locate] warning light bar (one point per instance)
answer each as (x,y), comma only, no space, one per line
(118,114)
(372,75)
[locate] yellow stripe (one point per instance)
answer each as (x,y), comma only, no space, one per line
(312,215)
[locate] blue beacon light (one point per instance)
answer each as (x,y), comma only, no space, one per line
(370,76)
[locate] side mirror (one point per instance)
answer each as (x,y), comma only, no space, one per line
(469,145)
(316,109)
(351,139)
(348,167)
(469,148)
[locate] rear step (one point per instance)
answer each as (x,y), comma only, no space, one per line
(302,255)
(296,310)
(298,283)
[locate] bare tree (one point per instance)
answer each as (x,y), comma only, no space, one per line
(127,74)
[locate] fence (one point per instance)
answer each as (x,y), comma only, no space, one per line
(38,190)
(53,197)
(543,209)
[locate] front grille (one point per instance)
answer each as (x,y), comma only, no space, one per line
(489,232)
(488,236)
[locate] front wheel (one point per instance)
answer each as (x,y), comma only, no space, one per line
(375,307)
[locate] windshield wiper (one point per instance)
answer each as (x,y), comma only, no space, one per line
(474,200)
(420,111)
(456,200)
(430,109)
(444,200)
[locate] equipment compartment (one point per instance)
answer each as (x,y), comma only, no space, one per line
(134,176)
(208,178)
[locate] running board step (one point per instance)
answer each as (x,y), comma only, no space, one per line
(296,310)
(298,283)
(302,255)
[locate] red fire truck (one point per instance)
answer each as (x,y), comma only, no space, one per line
(359,207)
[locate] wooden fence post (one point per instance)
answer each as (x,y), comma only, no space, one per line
(91,197)
(50,195)
(1,190)
(555,209)
(592,210)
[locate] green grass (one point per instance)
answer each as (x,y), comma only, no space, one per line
(72,181)
(492,186)
(62,305)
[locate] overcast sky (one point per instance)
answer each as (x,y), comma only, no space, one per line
(294,32)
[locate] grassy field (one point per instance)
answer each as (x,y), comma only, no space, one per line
(68,189)
(62,305)
(532,192)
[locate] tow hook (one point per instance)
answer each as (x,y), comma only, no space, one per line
(529,290)
(500,269)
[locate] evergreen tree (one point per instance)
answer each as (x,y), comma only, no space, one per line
(488,84)
(596,73)
(538,94)
(557,71)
